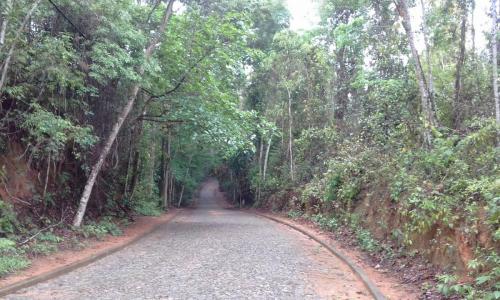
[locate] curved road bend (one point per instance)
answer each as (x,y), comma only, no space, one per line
(210,253)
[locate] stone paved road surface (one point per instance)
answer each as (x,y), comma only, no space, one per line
(210,253)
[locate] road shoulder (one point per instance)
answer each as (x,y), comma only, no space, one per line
(382,283)
(56,264)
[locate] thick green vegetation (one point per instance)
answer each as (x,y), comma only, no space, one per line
(404,154)
(151,87)
(369,121)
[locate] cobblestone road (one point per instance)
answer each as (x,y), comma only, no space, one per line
(209,253)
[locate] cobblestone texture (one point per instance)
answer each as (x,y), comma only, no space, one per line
(204,253)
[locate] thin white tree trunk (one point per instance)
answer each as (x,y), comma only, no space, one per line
(290,137)
(185,177)
(3,29)
(428,56)
(427,109)
(172,187)
(266,158)
(457,113)
(261,150)
(46,179)
(180,197)
(5,22)
(472,28)
(6,64)
(77,221)
(151,175)
(166,175)
(494,32)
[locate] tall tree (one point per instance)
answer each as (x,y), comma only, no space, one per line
(425,97)
(425,31)
(77,221)
(460,64)
(494,58)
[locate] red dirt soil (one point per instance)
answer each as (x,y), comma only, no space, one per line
(47,264)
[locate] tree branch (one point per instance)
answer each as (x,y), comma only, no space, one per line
(152,10)
(180,81)
(162,121)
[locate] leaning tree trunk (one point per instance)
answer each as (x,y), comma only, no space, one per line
(427,107)
(121,118)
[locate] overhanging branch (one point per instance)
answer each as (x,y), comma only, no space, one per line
(180,81)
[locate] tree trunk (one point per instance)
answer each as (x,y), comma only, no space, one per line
(428,55)
(494,32)
(123,115)
(151,175)
(166,176)
(5,22)
(183,185)
(172,187)
(180,196)
(261,150)
(233,185)
(266,158)
(342,93)
(135,172)
(6,63)
(472,28)
(290,137)
(460,63)
(46,179)
(427,109)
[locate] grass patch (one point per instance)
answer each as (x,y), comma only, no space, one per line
(10,264)
(11,259)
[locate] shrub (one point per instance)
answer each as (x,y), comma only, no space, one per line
(43,248)
(107,224)
(8,220)
(49,237)
(366,241)
(9,264)
(11,258)
(99,230)
(294,214)
(147,208)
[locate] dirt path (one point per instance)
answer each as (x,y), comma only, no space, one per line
(210,253)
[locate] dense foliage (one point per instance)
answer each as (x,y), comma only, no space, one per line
(353,123)
(355,145)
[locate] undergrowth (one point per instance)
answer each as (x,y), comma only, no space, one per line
(17,250)
(11,258)
(452,187)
